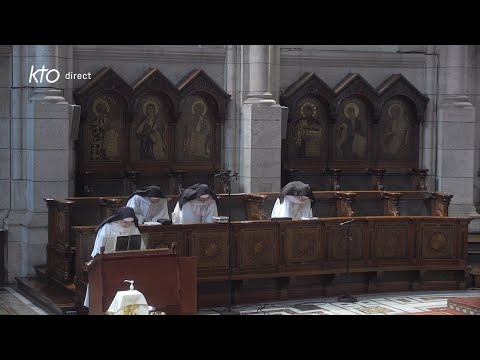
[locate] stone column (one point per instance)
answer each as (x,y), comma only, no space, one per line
(259,75)
(456,131)
(5,85)
(261,124)
(41,153)
(232,122)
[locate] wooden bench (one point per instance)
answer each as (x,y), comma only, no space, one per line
(274,260)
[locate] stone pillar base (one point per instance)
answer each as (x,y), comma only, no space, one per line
(260,152)
(27,243)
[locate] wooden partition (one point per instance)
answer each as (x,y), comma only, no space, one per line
(62,215)
(274,260)
(371,203)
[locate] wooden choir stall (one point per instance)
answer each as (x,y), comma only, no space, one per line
(357,146)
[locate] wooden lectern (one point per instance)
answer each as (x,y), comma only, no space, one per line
(168,281)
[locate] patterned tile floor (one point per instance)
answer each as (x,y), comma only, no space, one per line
(371,304)
(431,302)
(13,303)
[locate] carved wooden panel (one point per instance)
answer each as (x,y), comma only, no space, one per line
(195,130)
(211,247)
(307,132)
(150,133)
(437,241)
(365,128)
(61,231)
(165,239)
(336,242)
(105,125)
(85,240)
(398,131)
(131,134)
(257,248)
(302,245)
(352,133)
(60,265)
(391,241)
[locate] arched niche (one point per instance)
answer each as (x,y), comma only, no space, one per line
(154,105)
(352,137)
(369,132)
(310,102)
(402,112)
(104,115)
(146,119)
(199,128)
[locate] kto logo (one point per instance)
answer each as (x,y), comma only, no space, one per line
(51,75)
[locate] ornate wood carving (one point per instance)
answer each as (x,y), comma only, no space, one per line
(418,248)
(334,178)
(440,203)
(437,241)
(132,177)
(336,242)
(392,242)
(419,176)
(148,129)
(60,244)
(365,127)
(377,178)
(303,246)
(255,207)
(397,85)
(344,203)
(211,248)
(390,204)
(257,247)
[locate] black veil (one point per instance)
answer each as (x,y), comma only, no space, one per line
(120,214)
(195,191)
(149,191)
(297,188)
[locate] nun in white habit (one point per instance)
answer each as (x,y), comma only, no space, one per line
(150,204)
(196,204)
(121,222)
(295,201)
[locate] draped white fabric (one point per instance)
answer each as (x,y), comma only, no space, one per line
(295,207)
(146,211)
(195,211)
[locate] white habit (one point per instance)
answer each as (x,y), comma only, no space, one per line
(110,229)
(148,211)
(293,206)
(195,211)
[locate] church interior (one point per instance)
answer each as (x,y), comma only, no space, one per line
(380,142)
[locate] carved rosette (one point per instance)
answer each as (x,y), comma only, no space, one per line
(303,248)
(211,248)
(437,241)
(256,250)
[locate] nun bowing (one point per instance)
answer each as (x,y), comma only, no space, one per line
(121,222)
(196,204)
(150,204)
(295,201)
